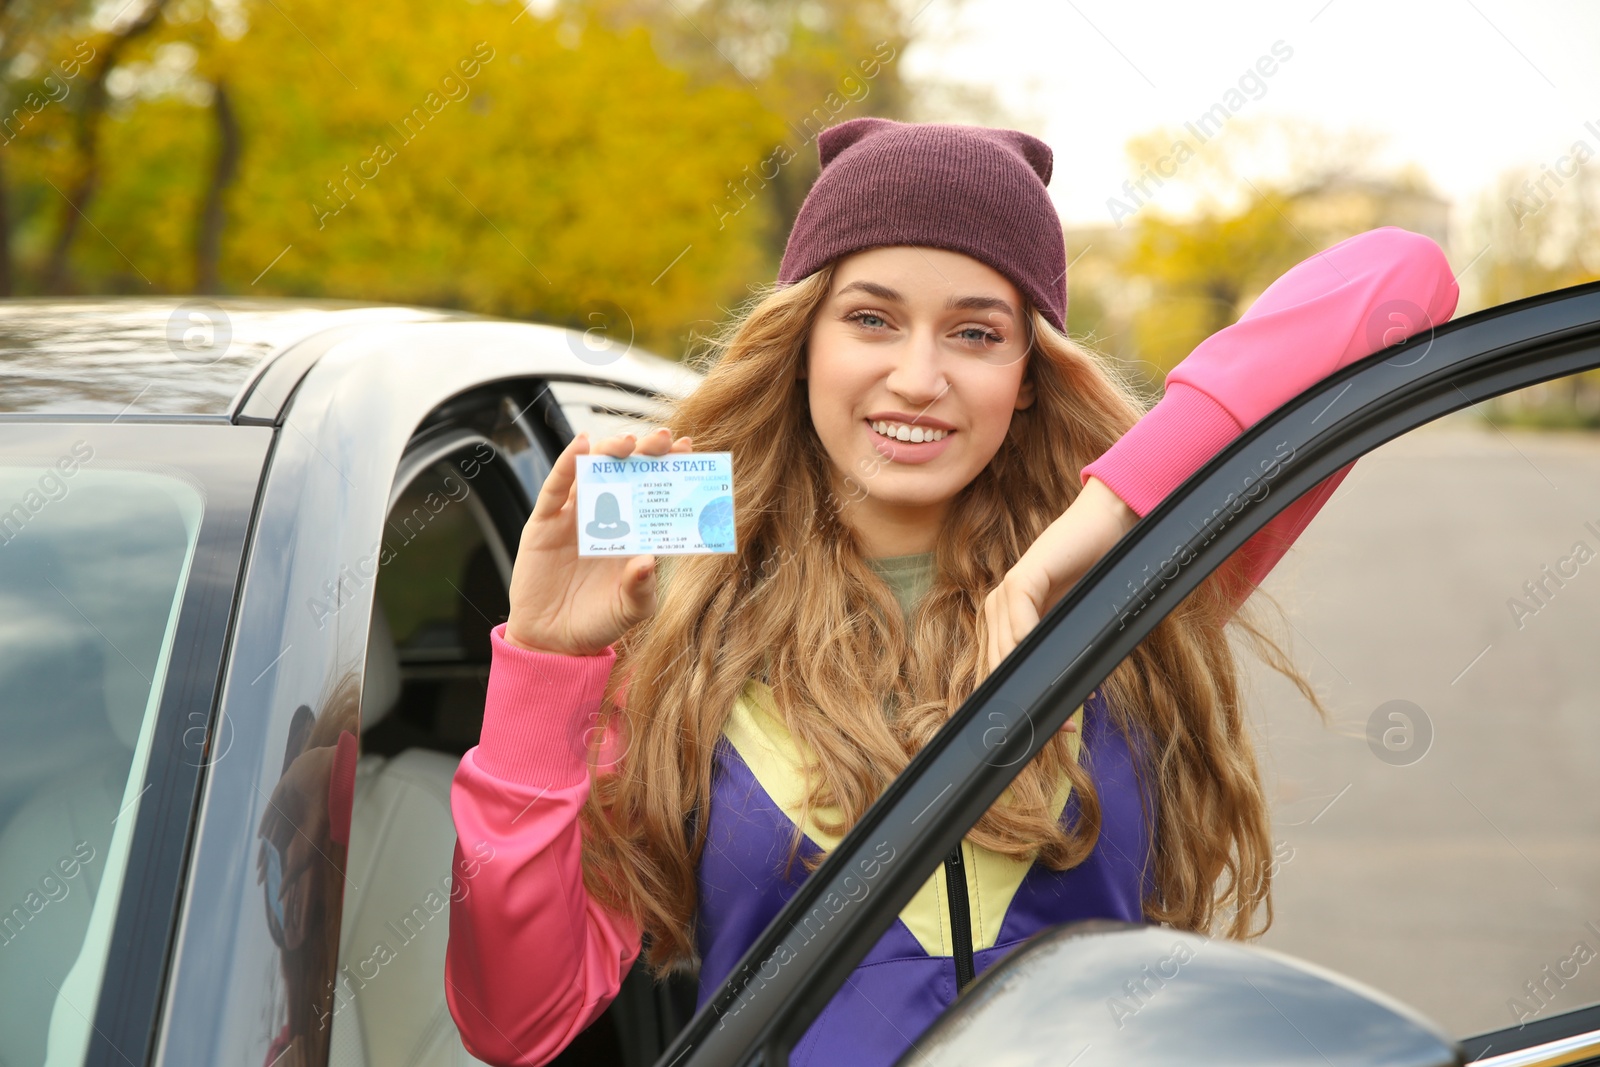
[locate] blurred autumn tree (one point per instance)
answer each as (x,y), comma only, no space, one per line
(1539,230)
(813,62)
(1215,222)
(645,157)
(1202,227)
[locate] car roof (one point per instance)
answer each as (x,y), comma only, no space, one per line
(191,357)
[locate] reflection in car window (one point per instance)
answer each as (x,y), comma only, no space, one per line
(1440,842)
(93,565)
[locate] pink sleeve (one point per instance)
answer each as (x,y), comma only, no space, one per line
(532,960)
(1359,296)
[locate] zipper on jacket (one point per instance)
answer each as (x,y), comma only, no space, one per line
(955,881)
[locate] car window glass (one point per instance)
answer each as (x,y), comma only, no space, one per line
(1438,840)
(603,410)
(442,586)
(513,434)
(93,565)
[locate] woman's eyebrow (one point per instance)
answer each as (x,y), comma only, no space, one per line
(882,292)
(980,303)
(955,303)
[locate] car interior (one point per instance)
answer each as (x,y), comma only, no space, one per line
(440,589)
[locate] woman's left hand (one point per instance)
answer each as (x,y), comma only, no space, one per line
(1052,565)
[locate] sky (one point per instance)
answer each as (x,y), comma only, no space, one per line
(1462,88)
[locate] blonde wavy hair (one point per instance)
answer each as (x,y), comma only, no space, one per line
(799,600)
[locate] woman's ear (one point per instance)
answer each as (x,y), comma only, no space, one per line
(1025,393)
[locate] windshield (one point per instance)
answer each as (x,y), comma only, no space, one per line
(93,565)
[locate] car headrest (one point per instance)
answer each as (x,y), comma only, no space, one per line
(380,688)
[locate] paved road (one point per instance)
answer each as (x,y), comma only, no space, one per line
(1455,879)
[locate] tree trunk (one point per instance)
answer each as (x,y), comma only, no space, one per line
(8,39)
(86,139)
(208,243)
(6,284)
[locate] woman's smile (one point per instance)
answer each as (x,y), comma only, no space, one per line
(903,442)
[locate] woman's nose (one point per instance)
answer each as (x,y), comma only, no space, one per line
(917,374)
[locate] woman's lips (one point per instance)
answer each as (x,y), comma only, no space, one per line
(897,451)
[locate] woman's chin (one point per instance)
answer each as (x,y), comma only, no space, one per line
(911,488)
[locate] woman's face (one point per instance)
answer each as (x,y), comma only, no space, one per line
(924,340)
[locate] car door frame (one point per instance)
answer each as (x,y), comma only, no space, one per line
(800,960)
(646,1013)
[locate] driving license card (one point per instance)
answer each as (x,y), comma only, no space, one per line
(674,504)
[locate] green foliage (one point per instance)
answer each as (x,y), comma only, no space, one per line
(146,203)
(1204,269)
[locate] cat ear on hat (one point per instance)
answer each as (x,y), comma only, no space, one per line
(1035,151)
(835,139)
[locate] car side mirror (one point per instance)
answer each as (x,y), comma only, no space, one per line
(1101,993)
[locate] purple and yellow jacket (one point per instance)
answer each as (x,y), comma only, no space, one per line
(533,960)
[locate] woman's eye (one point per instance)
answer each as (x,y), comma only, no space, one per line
(867,319)
(979,335)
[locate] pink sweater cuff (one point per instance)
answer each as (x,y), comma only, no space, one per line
(1172,441)
(538,712)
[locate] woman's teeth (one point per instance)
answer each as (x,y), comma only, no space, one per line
(915,434)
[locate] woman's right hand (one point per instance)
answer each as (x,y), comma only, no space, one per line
(570,604)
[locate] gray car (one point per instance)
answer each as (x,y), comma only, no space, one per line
(232,531)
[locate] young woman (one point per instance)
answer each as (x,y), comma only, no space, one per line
(924,463)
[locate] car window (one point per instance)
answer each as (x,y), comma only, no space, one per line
(516,430)
(604,410)
(1439,839)
(441,587)
(93,567)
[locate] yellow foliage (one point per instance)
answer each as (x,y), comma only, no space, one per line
(466,155)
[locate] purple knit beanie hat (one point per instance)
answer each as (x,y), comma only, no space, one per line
(970,189)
